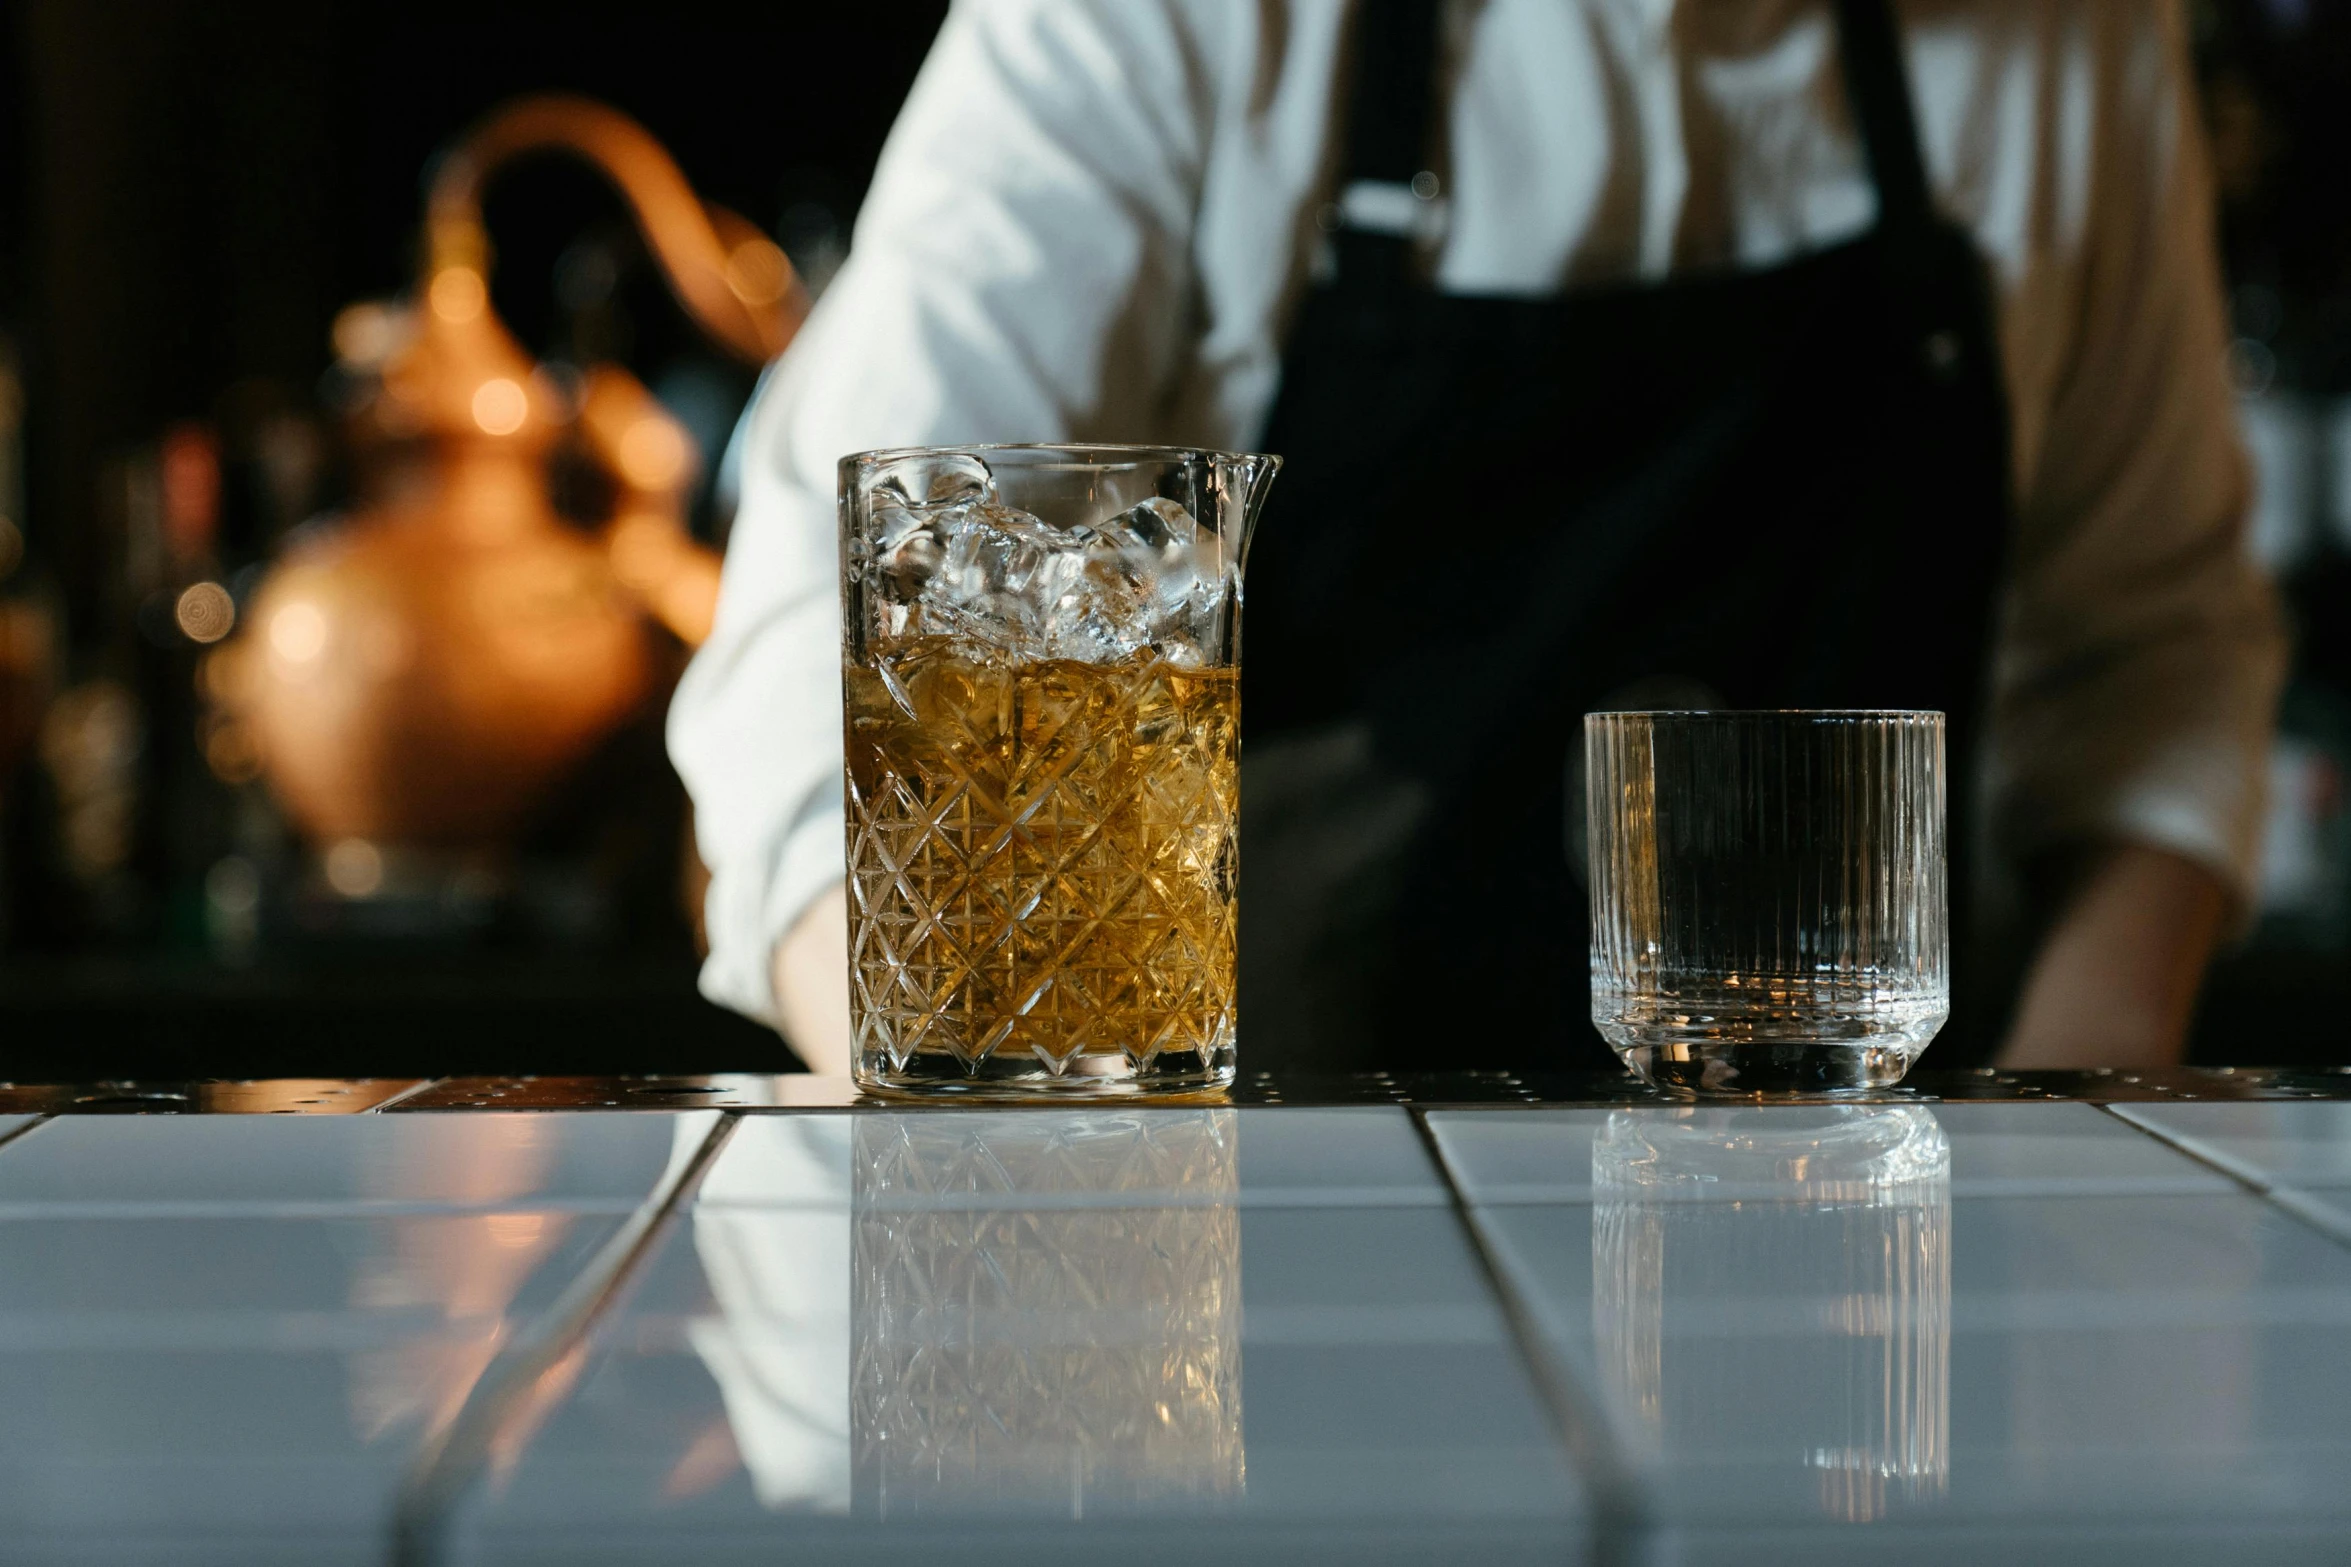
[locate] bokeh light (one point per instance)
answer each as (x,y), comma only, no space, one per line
(500,406)
(458,295)
(298,632)
(205,612)
(355,868)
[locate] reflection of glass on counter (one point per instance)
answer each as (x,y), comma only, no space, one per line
(1047,1311)
(1776,1284)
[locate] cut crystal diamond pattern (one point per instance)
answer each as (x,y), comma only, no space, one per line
(1041,861)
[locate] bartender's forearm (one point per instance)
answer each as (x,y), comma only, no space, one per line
(2115,983)
(812,984)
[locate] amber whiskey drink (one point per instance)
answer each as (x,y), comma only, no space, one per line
(1041,659)
(1041,870)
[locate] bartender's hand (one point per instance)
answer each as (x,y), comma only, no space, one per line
(2115,983)
(812,984)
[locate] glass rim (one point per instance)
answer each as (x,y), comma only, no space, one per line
(1120,454)
(1847,715)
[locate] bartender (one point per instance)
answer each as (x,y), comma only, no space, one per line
(1623,353)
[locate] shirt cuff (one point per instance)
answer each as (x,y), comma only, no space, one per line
(748,910)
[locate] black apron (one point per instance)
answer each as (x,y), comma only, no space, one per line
(1784,488)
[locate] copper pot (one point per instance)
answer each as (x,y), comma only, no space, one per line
(425,670)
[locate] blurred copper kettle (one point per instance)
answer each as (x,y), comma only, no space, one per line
(424,670)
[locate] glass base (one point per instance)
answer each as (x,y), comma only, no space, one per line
(1752,1069)
(1027,1080)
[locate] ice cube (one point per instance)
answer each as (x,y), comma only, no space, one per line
(994,550)
(930,482)
(1101,617)
(988,574)
(999,575)
(907,552)
(911,502)
(1158,528)
(1172,574)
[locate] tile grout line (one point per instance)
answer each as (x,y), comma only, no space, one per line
(2286,1200)
(1620,1518)
(410,1092)
(2242,1174)
(2248,1179)
(504,1400)
(2302,1206)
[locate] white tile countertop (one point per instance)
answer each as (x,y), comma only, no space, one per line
(1928,1333)
(1920,1330)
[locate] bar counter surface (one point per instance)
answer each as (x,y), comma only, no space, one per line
(2096,1317)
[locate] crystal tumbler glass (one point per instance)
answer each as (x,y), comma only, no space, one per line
(1768,896)
(1041,681)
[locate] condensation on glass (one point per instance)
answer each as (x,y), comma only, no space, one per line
(1769,910)
(1041,676)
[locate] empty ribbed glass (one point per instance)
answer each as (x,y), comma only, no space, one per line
(1768,896)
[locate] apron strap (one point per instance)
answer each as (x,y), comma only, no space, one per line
(1394,92)
(1877,83)
(1384,208)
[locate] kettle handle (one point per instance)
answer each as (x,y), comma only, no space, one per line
(728,276)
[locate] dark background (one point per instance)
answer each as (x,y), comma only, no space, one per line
(190,192)
(196,187)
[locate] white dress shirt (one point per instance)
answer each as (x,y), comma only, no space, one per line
(1094,219)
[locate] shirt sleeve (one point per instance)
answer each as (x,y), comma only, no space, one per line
(2141,651)
(1021,271)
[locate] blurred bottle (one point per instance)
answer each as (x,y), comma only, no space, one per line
(27,616)
(28,657)
(128,736)
(2299,445)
